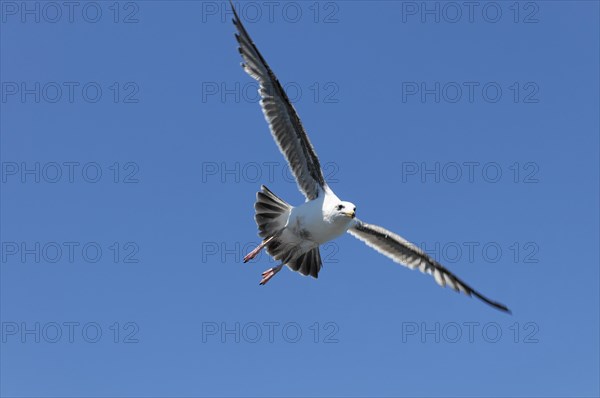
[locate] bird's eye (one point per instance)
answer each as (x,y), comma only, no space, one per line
(340,207)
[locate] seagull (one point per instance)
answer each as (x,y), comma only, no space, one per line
(292,234)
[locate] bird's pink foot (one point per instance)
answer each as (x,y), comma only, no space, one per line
(268,274)
(256,250)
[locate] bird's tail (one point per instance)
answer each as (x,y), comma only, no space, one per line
(271,216)
(271,212)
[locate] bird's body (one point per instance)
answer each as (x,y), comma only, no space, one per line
(293,235)
(317,221)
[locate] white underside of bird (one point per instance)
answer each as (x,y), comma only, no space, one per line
(319,220)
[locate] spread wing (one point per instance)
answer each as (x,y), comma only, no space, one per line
(402,251)
(283,120)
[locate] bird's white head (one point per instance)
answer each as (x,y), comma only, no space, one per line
(344,209)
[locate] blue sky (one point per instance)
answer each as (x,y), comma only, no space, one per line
(132,148)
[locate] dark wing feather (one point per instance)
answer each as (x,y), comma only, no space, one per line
(285,125)
(402,251)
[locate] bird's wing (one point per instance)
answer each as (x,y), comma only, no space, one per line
(402,251)
(283,120)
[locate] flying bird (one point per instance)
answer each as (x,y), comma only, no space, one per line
(292,234)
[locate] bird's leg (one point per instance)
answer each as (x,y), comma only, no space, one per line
(257,250)
(268,274)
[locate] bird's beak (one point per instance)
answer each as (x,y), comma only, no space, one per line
(351,214)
